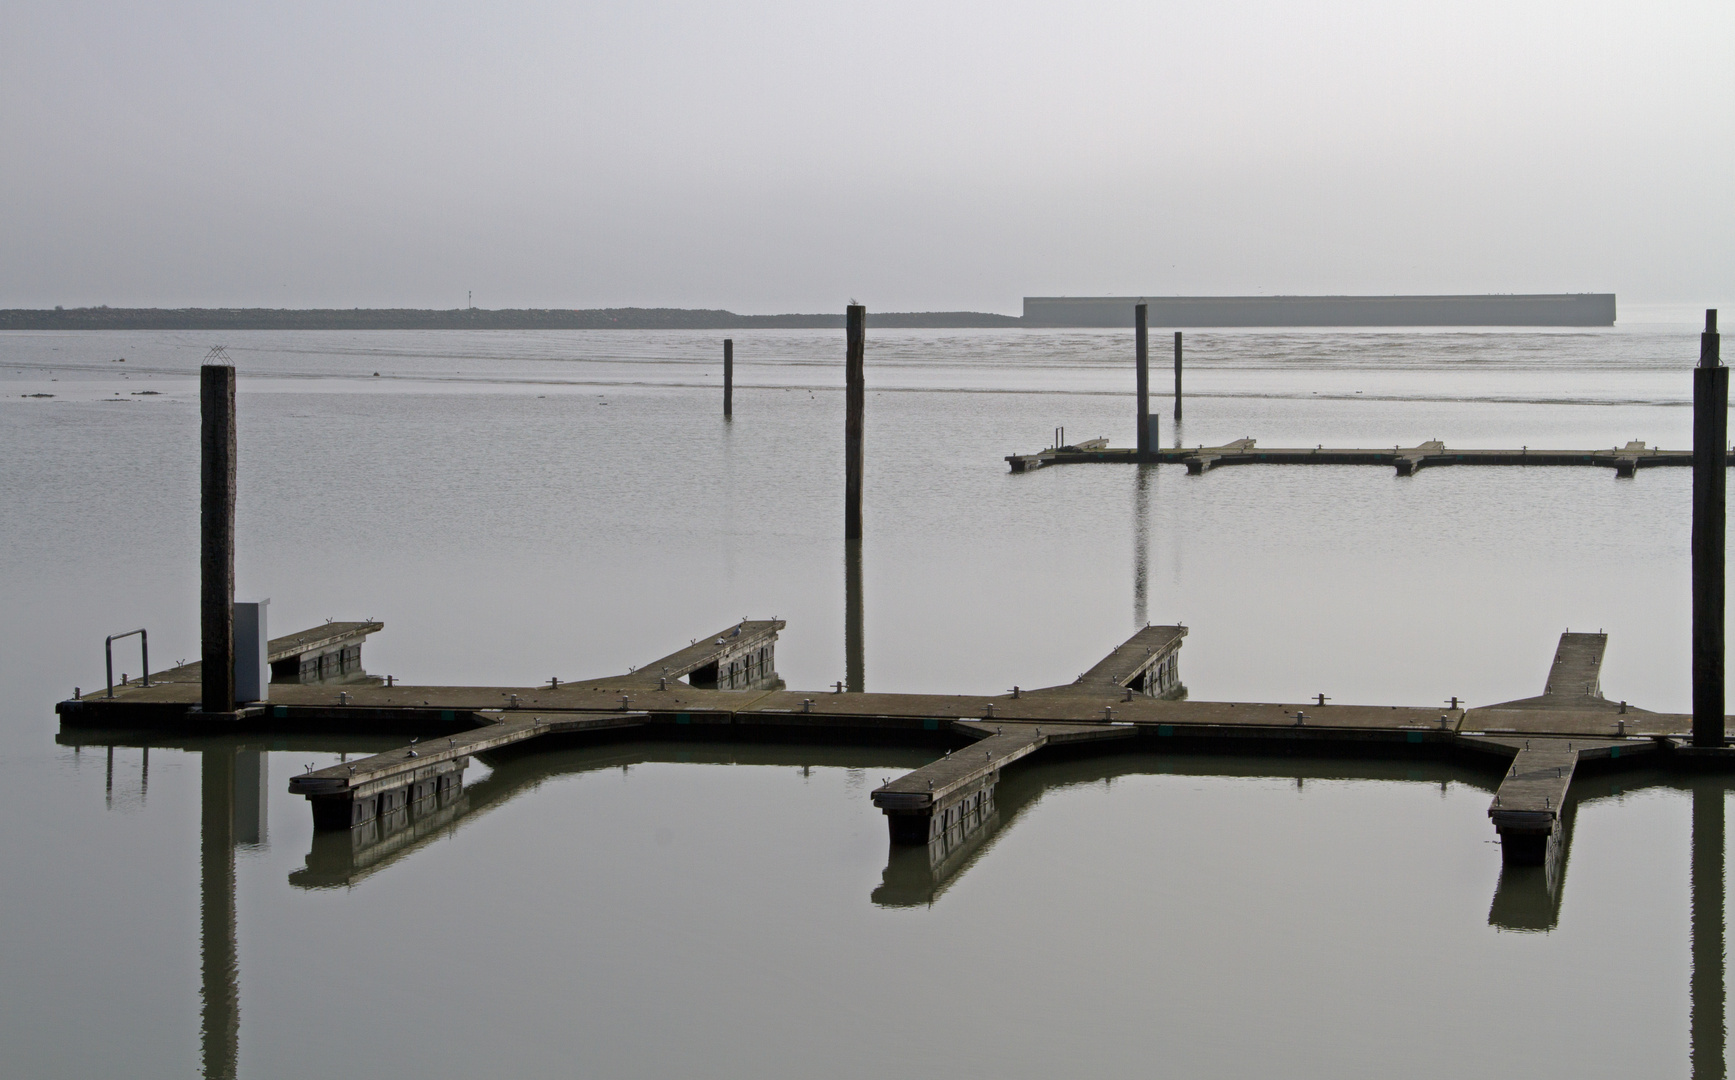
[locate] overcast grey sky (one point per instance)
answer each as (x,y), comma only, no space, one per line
(778,156)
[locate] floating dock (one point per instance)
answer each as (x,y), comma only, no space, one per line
(724,687)
(1534,309)
(1626,460)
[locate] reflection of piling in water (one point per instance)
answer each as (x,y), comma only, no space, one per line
(1706,1024)
(251,780)
(220,1020)
(1141,545)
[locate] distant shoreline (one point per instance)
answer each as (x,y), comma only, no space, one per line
(1166,312)
(107,318)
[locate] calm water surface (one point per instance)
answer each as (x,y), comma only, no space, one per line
(516,506)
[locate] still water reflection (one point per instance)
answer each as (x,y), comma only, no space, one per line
(234,801)
(522,506)
(1709,962)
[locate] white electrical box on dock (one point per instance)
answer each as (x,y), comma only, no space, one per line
(252,668)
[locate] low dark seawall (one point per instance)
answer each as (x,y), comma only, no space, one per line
(1539,309)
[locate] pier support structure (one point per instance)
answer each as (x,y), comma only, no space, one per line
(1177,376)
(217,536)
(1141,350)
(1710,483)
(855,395)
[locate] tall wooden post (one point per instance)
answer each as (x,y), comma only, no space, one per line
(854,648)
(728,378)
(855,401)
(1141,350)
(1177,374)
(217,536)
(1710,483)
(1706,1003)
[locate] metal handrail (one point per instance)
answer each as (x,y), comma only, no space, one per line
(144,655)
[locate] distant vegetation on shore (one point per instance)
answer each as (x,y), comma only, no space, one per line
(112,318)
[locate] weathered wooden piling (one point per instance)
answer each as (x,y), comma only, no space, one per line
(854,650)
(217,536)
(1706,1000)
(728,378)
(1141,349)
(1177,374)
(855,380)
(1710,483)
(855,384)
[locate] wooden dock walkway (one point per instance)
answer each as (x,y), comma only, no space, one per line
(347,795)
(922,805)
(1407,461)
(1133,697)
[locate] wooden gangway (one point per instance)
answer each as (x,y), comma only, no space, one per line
(1407,461)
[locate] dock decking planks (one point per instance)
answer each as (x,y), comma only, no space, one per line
(1546,736)
(921,805)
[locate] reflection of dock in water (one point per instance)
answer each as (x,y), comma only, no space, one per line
(1527,898)
(725,687)
(919,875)
(341,858)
